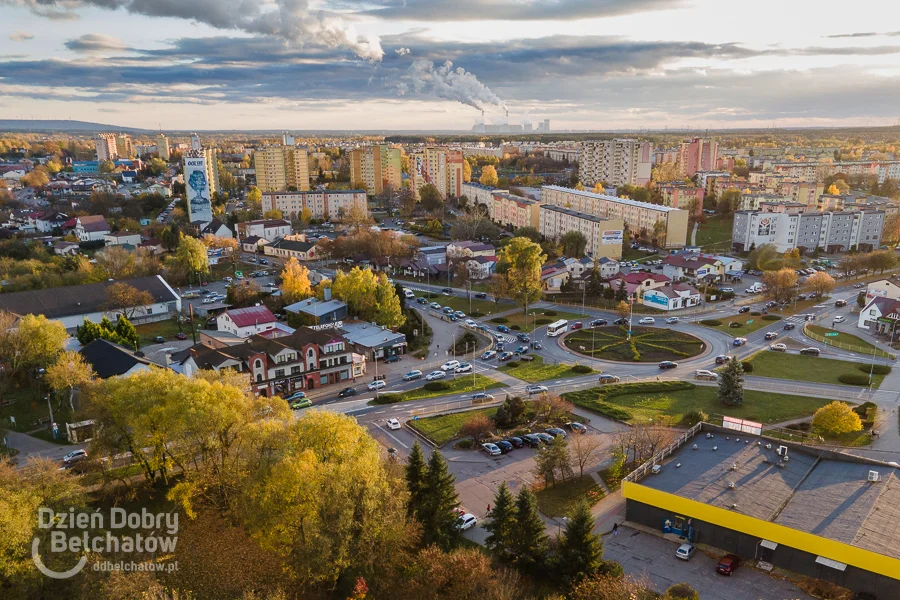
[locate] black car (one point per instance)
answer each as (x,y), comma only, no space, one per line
(668,364)
(521,349)
(504,356)
(621,321)
(421,300)
(347,392)
(516,442)
(721,359)
(576,427)
(504,446)
(598,322)
(392,359)
(840,303)
(789,326)
(159,339)
(531,440)
(536,345)
(481,295)
(523,337)
(811,351)
(556,432)
(446,291)
(744,309)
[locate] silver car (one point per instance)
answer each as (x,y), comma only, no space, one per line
(685,551)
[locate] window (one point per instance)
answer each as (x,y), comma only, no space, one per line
(257,364)
(258,378)
(279,372)
(295,370)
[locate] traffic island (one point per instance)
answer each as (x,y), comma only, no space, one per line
(645,344)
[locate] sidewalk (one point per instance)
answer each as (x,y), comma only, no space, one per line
(608,512)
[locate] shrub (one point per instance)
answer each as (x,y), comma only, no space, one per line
(755,313)
(735,324)
(693,417)
(543,321)
(747,366)
(681,591)
(771,318)
(466,444)
(499,320)
(876,369)
(387,399)
(513,364)
(550,313)
(437,386)
(836,418)
(476,314)
(863,409)
(799,426)
(854,379)
(581,369)
(711,322)
(515,327)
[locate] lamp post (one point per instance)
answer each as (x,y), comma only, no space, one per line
(630,315)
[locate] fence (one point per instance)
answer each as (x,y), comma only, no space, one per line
(875,351)
(642,470)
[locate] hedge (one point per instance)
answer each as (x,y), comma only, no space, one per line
(876,369)
(771,318)
(747,366)
(437,386)
(581,369)
(543,321)
(550,313)
(476,314)
(755,313)
(466,444)
(499,320)
(711,322)
(387,399)
(512,364)
(515,327)
(735,324)
(854,379)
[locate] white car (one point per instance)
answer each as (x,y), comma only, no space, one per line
(672,320)
(468,520)
(685,551)
(464,368)
(536,389)
(489,355)
(393,424)
(839,319)
(377,385)
(727,290)
(435,375)
(706,375)
(647,321)
(435,306)
(77,455)
(450,365)
(778,347)
(470,323)
(491,449)
(228,280)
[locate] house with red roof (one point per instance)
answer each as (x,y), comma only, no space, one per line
(244,322)
(638,282)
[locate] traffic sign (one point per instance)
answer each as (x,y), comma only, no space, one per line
(749,321)
(835,334)
(630,332)
(238,273)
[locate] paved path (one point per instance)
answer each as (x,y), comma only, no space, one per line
(32,447)
(694,234)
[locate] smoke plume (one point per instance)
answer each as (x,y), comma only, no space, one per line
(290,20)
(451,84)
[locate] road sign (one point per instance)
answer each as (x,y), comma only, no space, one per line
(630,332)
(749,321)
(238,273)
(835,334)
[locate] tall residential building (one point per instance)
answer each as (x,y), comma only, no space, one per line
(106,146)
(124,146)
(698,154)
(162,146)
(281,168)
(441,167)
(604,236)
(375,166)
(639,217)
(201,180)
(617,162)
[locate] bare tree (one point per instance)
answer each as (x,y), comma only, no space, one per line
(585,449)
(478,426)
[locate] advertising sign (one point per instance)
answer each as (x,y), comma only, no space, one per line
(660,299)
(197,189)
(611,236)
(765,225)
(742,425)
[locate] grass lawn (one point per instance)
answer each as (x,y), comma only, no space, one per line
(629,254)
(444,428)
(462,383)
(799,367)
(561,499)
(538,370)
(28,411)
(845,339)
(167,329)
(749,324)
(670,405)
(517,319)
(716,231)
(647,344)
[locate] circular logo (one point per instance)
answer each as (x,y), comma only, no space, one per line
(36,556)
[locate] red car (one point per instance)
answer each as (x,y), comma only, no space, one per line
(576,325)
(203,284)
(180,336)
(728,564)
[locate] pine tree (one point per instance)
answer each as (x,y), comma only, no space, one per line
(621,293)
(415,476)
(502,523)
(530,544)
(126,332)
(731,383)
(580,551)
(439,501)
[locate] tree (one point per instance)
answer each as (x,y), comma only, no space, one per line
(358,217)
(407,202)
(530,545)
(499,286)
(836,418)
(273,214)
(729,201)
(254,195)
(623,309)
(580,551)
(467,171)
(554,463)
(882,260)
(613,586)
(820,283)
(621,294)
(731,383)
(32,343)
(191,256)
(659,233)
(116,261)
(791,259)
(848,265)
(69,372)
(431,198)
(681,591)
(781,284)
(573,244)
(36,179)
(488,176)
(295,285)
(478,426)
(520,263)
(388,312)
(439,502)
(305,216)
(763,258)
(126,299)
(415,479)
(170,237)
(529,232)
(122,333)
(584,450)
(502,524)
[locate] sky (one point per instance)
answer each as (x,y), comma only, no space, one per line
(436,64)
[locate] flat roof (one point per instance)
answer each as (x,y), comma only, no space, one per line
(637,203)
(824,496)
(369,335)
(575,213)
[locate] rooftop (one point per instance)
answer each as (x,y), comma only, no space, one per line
(369,335)
(252,315)
(573,213)
(314,307)
(628,201)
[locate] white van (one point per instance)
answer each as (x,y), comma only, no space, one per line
(408,293)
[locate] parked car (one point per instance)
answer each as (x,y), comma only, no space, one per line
(505,356)
(599,322)
(726,290)
(722,359)
(544,437)
(839,319)
(450,365)
(534,388)
(393,424)
(414,374)
(377,385)
(672,320)
(296,396)
(576,325)
(159,339)
(482,397)
(789,326)
(502,328)
(180,336)
(531,440)
(481,295)
(347,392)
(446,291)
(491,449)
(504,446)
(685,551)
(778,347)
(705,375)
(858,285)
(74,456)
(606,378)
(468,520)
(464,368)
(576,427)
(668,364)
(435,375)
(728,564)
(739,341)
(301,403)
(771,335)
(488,355)
(393,358)
(744,309)
(516,442)
(647,321)
(811,351)
(470,323)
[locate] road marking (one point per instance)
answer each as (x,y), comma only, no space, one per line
(378,412)
(392,436)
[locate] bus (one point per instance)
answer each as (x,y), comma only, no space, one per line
(557,328)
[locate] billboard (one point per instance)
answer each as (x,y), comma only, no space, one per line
(741,425)
(611,236)
(765,225)
(197,189)
(656,298)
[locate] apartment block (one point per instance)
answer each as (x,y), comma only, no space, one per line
(638,216)
(441,167)
(618,162)
(604,236)
(124,146)
(105,144)
(698,154)
(512,211)
(751,200)
(323,204)
(682,195)
(480,194)
(817,171)
(374,167)
(281,168)
(162,146)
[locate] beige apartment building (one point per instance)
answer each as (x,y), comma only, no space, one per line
(638,216)
(604,236)
(508,210)
(281,168)
(617,162)
(125,146)
(441,167)
(374,167)
(162,146)
(323,204)
(105,144)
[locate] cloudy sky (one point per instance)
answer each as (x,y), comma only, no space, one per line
(368,64)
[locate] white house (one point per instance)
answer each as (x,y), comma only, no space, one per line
(244,322)
(883,288)
(218,229)
(268,229)
(91,229)
(672,297)
(120,238)
(879,314)
(158,188)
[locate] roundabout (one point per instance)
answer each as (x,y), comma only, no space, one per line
(646,344)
